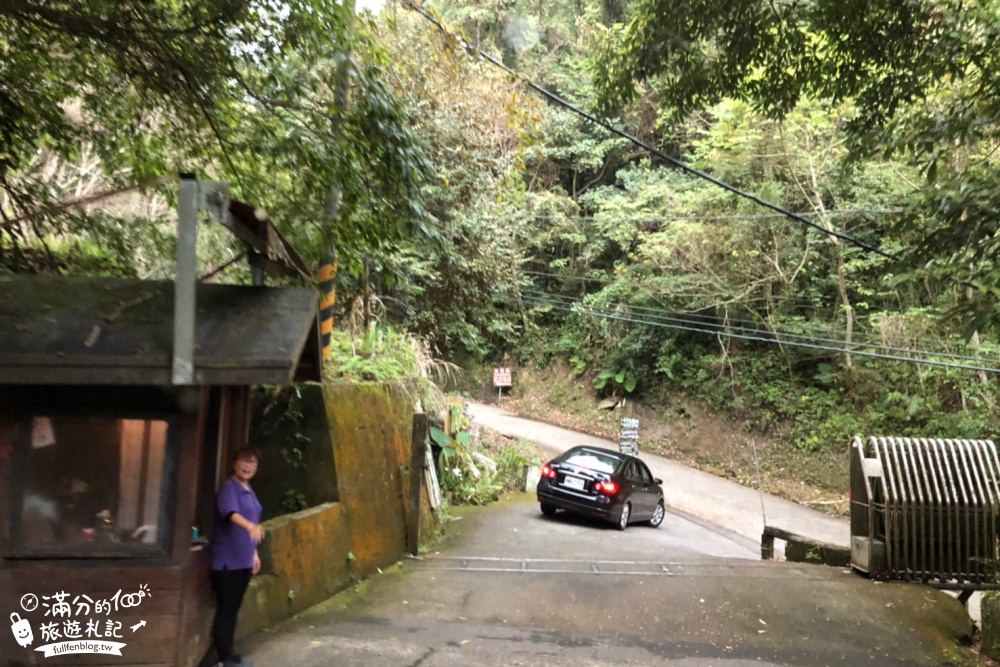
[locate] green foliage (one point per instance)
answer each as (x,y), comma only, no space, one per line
(512,466)
(291,104)
(919,78)
(472,474)
(379,354)
(463,479)
(471,202)
(294,501)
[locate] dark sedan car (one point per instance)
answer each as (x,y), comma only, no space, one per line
(601,483)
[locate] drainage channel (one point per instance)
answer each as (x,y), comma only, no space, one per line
(628,568)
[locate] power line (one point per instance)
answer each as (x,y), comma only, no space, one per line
(860,334)
(800,344)
(83,201)
(688,314)
(765,338)
(721,216)
(779,337)
(223,267)
(644,145)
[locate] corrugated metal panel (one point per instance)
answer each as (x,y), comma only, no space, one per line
(931,504)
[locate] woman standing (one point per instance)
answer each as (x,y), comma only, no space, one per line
(234,550)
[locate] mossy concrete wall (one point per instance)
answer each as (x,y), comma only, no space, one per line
(303,561)
(371,427)
(990,621)
(310,555)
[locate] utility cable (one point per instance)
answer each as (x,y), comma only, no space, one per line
(764,339)
(560,101)
(861,334)
(720,216)
(222,267)
(862,341)
(83,201)
(779,337)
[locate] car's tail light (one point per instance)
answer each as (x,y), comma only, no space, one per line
(609,488)
(548,472)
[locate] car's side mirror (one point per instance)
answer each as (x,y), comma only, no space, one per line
(657,480)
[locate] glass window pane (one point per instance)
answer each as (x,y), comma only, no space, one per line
(592,460)
(94,486)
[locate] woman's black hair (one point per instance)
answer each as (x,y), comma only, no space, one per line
(246,453)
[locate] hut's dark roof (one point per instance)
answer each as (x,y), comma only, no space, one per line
(60,330)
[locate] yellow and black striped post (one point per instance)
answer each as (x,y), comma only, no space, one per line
(327,272)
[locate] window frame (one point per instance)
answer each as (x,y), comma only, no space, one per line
(166,523)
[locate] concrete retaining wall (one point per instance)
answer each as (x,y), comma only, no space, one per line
(990,622)
(310,555)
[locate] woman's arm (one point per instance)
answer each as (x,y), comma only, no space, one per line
(255,530)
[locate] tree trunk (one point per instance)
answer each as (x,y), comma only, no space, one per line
(367,296)
(342,97)
(845,300)
(970,294)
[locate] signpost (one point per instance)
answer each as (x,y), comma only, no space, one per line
(628,437)
(501,379)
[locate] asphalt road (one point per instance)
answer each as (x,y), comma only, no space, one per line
(720,501)
(511,587)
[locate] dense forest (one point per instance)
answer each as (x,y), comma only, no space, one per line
(471,213)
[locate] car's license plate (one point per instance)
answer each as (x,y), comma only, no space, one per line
(573,482)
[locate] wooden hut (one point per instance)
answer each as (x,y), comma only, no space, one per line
(108,470)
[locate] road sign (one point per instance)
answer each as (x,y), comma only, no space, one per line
(502,377)
(628,436)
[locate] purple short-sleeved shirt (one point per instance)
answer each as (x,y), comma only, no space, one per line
(232,548)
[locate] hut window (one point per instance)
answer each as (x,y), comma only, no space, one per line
(93,486)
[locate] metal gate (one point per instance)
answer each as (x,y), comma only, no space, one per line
(925,510)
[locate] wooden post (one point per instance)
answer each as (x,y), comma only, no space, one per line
(767,544)
(417,455)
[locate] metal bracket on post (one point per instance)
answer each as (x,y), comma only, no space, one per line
(185,281)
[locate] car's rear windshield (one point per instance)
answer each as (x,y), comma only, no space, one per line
(587,458)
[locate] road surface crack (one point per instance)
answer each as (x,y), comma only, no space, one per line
(428,653)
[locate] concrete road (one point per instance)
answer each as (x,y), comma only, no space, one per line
(729,507)
(719,501)
(511,587)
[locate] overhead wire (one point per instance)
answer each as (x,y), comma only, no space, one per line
(719,216)
(686,168)
(222,267)
(87,199)
(860,334)
(780,337)
(764,336)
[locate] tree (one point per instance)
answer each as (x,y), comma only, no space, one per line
(922,76)
(239,90)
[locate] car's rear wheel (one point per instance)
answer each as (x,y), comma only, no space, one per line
(657,517)
(624,516)
(548,509)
